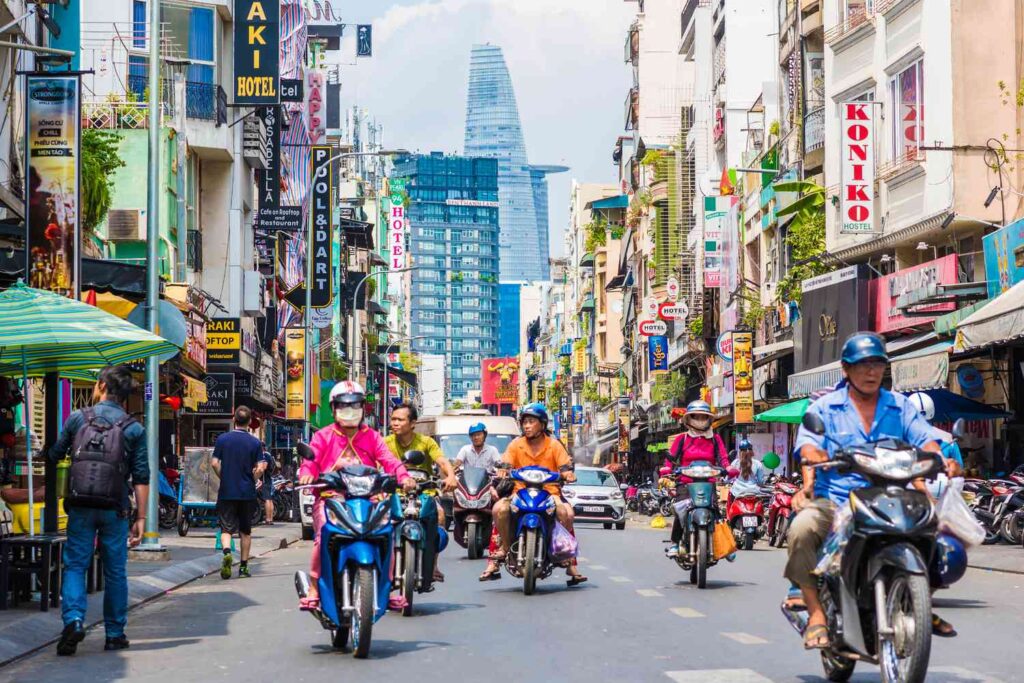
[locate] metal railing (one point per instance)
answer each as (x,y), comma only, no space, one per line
(203,101)
(194,250)
(854,20)
(814,129)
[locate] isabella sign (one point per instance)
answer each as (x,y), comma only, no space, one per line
(886,290)
(500,380)
(858,168)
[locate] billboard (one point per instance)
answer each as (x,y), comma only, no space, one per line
(834,306)
(499,380)
(886,290)
(1004,258)
(295,373)
(857,137)
(743,377)
(53,141)
(257,45)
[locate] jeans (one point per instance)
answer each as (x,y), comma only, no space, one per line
(84,526)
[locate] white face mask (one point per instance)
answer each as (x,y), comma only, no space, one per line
(348,416)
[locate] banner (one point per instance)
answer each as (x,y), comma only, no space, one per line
(1004,258)
(257,45)
(857,139)
(499,381)
(364,40)
(743,377)
(322,244)
(657,354)
(224,341)
(295,373)
(53,141)
(716,211)
(623,409)
(887,289)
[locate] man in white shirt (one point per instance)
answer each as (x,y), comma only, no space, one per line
(478,453)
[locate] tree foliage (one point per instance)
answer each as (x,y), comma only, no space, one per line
(807,241)
(100,158)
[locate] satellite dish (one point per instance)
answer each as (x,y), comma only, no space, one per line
(170,325)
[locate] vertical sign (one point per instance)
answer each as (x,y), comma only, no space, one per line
(52,140)
(257,55)
(269,180)
(857,136)
(320,246)
(716,210)
(396,232)
(672,289)
(657,354)
(364,40)
(295,373)
(316,112)
(743,377)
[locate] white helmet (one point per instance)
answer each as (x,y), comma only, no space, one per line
(347,391)
(924,404)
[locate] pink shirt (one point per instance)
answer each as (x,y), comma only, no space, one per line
(696,448)
(330,442)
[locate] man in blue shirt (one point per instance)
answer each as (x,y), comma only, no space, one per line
(860,411)
(238,461)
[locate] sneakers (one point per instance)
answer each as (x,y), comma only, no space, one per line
(70,637)
(225,566)
(118,643)
(243,572)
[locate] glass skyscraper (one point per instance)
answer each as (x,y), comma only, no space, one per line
(493,130)
(453,222)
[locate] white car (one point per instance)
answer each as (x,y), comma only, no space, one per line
(595,496)
(306,514)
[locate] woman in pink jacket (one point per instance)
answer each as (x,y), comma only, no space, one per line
(346,442)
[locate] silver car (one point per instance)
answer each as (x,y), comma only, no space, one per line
(595,496)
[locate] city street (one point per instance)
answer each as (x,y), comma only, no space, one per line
(638,619)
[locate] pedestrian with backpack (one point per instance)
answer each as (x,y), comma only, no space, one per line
(238,461)
(108,454)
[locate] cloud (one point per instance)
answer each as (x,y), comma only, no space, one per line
(565,57)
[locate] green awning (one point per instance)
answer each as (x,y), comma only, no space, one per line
(789,413)
(587,261)
(588,303)
(945,325)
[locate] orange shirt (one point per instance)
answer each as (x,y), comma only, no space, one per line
(552,456)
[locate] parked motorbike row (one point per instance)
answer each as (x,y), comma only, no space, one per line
(998,504)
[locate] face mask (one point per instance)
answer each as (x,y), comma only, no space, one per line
(348,416)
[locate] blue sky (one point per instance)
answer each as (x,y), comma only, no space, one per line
(565,57)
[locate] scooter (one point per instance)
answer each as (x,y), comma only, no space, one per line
(874,580)
(168,501)
(355,558)
(419,538)
(698,516)
(474,499)
(533,511)
(746,517)
(780,510)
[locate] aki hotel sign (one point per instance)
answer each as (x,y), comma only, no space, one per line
(257,52)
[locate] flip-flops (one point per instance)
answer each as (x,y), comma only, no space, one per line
(576,580)
(816,637)
(491,574)
(942,628)
(309,603)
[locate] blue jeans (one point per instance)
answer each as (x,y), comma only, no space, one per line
(84,526)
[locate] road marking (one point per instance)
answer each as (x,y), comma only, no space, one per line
(649,593)
(745,638)
(621,579)
(965,674)
(718,676)
(598,567)
(582,559)
(685,612)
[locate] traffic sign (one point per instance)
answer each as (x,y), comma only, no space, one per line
(653,328)
(673,311)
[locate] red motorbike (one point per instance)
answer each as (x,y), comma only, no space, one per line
(780,509)
(474,498)
(746,517)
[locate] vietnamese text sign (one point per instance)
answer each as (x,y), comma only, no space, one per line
(257,56)
(321,245)
(500,380)
(223,341)
(52,138)
(295,373)
(743,379)
(886,290)
(716,211)
(857,139)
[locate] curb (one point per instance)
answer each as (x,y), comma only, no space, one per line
(43,628)
(1002,570)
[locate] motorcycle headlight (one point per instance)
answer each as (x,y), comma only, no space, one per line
(484,500)
(533,476)
(359,485)
(894,464)
(461,499)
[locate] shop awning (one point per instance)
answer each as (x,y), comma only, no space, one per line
(822,377)
(789,413)
(103,275)
(945,325)
(772,348)
(375,308)
(588,303)
(377,260)
(926,368)
(587,260)
(358,234)
(999,321)
(950,406)
(404,375)
(619,202)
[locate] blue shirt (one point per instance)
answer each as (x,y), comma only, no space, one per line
(895,417)
(239,452)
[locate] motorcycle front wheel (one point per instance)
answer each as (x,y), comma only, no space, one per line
(701,567)
(362,617)
(903,657)
(781,530)
(1011,528)
(407,564)
(474,541)
(666,507)
(529,556)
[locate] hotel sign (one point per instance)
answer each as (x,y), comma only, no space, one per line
(857,136)
(257,45)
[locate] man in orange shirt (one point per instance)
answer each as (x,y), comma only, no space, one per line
(535,447)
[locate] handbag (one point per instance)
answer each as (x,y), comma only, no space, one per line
(722,541)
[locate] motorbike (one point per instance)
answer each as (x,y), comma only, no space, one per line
(780,511)
(284,499)
(746,518)
(168,501)
(533,517)
(355,559)
(698,516)
(474,499)
(874,579)
(996,505)
(419,538)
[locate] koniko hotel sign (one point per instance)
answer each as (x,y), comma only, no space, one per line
(857,139)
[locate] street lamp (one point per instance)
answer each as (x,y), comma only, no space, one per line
(355,299)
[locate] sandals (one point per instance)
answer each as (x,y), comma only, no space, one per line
(438,576)
(309,604)
(576,580)
(942,628)
(491,573)
(816,637)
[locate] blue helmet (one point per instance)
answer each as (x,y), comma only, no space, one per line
(477,428)
(744,445)
(536,410)
(699,407)
(442,538)
(861,346)
(949,562)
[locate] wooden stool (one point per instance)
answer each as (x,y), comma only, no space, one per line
(28,556)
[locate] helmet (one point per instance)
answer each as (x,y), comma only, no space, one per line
(949,562)
(924,404)
(694,407)
(536,410)
(861,346)
(347,391)
(442,538)
(744,445)
(477,428)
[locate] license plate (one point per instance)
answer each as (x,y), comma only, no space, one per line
(593,508)
(749,521)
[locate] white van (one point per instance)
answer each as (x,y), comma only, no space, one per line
(451,429)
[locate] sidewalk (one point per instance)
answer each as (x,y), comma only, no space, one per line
(1000,558)
(25,629)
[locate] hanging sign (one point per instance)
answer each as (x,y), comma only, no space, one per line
(672,289)
(650,308)
(673,311)
(257,56)
(322,244)
(716,211)
(857,138)
(223,341)
(743,378)
(657,354)
(268,180)
(52,139)
(396,232)
(723,347)
(653,328)
(316,113)
(220,394)
(295,373)
(364,40)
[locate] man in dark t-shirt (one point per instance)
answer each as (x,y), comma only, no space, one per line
(238,460)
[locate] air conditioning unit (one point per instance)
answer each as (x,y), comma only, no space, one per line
(252,292)
(126,225)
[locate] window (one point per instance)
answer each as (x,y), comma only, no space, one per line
(906,95)
(189,33)
(855,7)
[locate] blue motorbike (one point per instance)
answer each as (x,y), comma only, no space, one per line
(533,515)
(698,516)
(355,554)
(419,539)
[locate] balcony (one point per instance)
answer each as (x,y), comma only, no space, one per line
(203,101)
(814,130)
(633,108)
(857,22)
(632,50)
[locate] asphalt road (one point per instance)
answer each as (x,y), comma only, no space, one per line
(638,619)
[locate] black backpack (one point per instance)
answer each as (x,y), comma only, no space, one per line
(99,468)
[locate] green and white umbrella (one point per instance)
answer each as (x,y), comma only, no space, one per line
(42,332)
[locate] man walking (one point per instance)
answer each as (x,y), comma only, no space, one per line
(238,461)
(266,488)
(107,447)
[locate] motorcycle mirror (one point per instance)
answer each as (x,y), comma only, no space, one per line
(305,451)
(415,458)
(959,429)
(814,424)
(623,487)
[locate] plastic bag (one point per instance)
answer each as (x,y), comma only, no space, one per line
(832,550)
(956,518)
(563,545)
